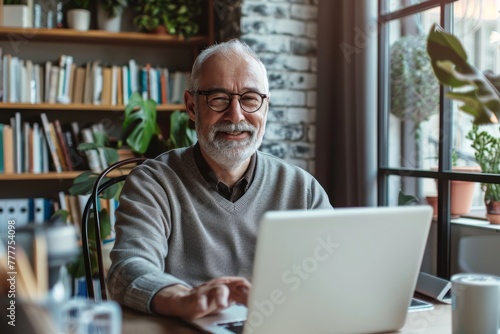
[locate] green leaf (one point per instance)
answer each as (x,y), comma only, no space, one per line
(83,184)
(87,147)
(64,214)
(181,135)
(111,155)
(451,67)
(472,106)
(77,267)
(140,116)
(487,155)
(404,199)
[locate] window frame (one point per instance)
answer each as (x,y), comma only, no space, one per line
(443,175)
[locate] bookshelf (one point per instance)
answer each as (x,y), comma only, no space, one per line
(101,37)
(80,107)
(110,48)
(49,176)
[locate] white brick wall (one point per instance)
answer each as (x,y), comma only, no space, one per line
(284,34)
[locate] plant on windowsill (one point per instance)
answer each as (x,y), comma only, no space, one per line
(480,91)
(461,192)
(487,155)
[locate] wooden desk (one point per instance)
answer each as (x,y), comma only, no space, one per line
(436,321)
(135,322)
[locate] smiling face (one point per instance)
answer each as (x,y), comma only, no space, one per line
(229,138)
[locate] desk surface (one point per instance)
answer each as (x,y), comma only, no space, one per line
(436,321)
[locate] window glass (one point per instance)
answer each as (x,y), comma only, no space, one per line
(462,193)
(413,96)
(395,5)
(477,25)
(413,93)
(398,185)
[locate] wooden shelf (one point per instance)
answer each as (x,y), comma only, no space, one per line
(80,107)
(63,35)
(43,44)
(42,176)
(53,175)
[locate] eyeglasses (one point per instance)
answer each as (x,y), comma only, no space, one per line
(219,100)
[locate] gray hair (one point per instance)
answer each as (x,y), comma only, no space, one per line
(229,49)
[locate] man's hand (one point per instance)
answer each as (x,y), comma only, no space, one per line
(210,297)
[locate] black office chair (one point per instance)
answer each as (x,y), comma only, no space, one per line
(91,203)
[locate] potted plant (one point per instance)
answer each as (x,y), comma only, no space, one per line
(487,155)
(176,17)
(109,14)
(78,14)
(480,94)
(16,14)
(414,87)
(415,98)
(461,192)
(143,135)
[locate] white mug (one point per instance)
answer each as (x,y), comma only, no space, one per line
(475,302)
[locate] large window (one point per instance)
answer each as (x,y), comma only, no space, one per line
(423,135)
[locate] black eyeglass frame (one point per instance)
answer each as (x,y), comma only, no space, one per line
(208,92)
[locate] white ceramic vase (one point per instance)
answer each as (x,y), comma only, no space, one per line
(16,16)
(104,22)
(78,19)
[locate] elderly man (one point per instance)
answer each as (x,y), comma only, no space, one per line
(187,222)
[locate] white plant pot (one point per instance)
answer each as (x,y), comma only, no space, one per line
(16,16)
(78,19)
(104,22)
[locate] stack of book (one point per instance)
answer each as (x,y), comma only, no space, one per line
(48,146)
(63,81)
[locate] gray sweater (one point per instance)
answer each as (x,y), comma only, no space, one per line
(172,227)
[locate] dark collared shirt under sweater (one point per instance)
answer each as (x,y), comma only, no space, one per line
(230,194)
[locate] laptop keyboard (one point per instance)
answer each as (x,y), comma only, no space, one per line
(235,327)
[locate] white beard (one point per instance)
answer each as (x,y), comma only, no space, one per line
(230,154)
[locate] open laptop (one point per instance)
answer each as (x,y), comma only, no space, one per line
(351,270)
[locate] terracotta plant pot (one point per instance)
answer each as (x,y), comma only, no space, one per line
(462,192)
(492,211)
(433,201)
(160,30)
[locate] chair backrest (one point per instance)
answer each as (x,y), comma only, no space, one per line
(479,254)
(91,204)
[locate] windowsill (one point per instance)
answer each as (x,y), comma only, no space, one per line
(475,218)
